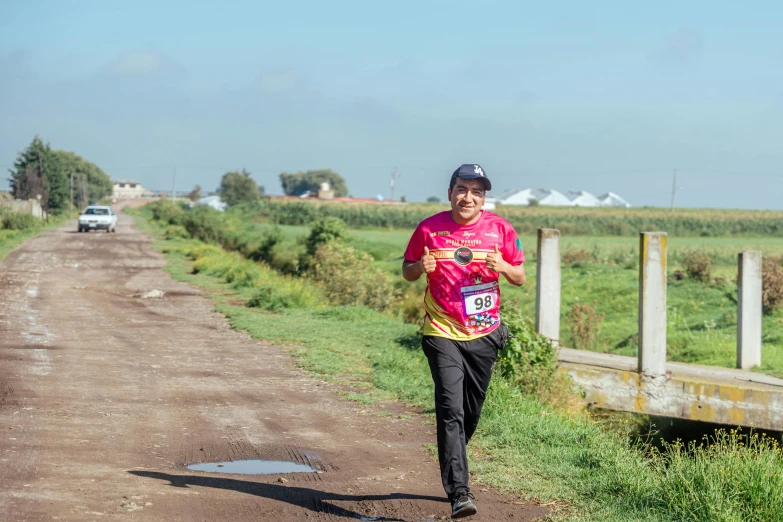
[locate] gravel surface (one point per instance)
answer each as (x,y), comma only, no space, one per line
(106,397)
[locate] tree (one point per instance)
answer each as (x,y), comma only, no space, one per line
(296,184)
(195,194)
(41,171)
(433,199)
(238,187)
(86,174)
(38,172)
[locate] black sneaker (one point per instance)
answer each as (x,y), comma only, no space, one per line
(462,506)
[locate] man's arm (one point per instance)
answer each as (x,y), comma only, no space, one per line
(412,270)
(514,274)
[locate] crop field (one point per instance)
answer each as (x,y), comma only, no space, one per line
(602,273)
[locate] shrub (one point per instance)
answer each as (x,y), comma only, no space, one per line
(772,284)
(698,266)
(175,232)
(349,278)
(325,230)
(274,292)
(584,324)
(266,298)
(529,360)
(167,212)
(205,223)
(19,221)
(264,250)
(286,261)
(411,303)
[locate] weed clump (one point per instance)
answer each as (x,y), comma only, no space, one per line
(19,221)
(584,324)
(729,476)
(698,266)
(577,256)
(204,223)
(175,232)
(263,249)
(349,278)
(529,360)
(772,284)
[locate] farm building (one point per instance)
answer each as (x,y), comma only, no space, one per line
(580,198)
(553,198)
(128,189)
(610,199)
(545,197)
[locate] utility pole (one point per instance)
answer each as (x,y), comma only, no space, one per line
(674,190)
(394,182)
(70,199)
(174,185)
(85,197)
(39,197)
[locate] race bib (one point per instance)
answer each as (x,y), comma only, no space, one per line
(479,299)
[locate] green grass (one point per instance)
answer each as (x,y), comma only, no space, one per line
(11,239)
(702,318)
(522,447)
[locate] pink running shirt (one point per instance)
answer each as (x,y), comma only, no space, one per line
(462,300)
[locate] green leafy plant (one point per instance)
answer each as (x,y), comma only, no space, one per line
(349,278)
(19,221)
(204,223)
(325,230)
(167,212)
(529,360)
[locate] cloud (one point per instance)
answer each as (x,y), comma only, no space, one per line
(683,47)
(144,64)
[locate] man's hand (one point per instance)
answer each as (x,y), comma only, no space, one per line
(427,261)
(495,261)
(412,270)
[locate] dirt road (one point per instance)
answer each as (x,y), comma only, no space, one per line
(106,397)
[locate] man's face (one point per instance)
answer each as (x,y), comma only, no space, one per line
(467,198)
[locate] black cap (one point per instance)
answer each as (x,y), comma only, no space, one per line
(472,171)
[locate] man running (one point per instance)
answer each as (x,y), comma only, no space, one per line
(463,252)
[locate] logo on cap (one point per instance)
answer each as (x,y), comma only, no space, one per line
(478,170)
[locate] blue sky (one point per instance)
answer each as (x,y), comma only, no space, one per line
(600,96)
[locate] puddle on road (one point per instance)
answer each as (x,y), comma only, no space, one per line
(252,467)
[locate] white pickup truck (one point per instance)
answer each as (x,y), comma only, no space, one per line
(96,217)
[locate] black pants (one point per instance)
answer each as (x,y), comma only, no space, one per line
(461,371)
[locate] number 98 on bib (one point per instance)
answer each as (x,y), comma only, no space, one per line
(479,298)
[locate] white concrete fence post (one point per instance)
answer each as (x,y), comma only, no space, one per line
(652,303)
(749,310)
(548,284)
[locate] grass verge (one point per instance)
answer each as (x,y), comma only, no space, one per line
(10,239)
(522,447)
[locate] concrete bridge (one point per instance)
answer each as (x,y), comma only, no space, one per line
(649,383)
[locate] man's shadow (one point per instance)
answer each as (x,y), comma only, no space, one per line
(312,499)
